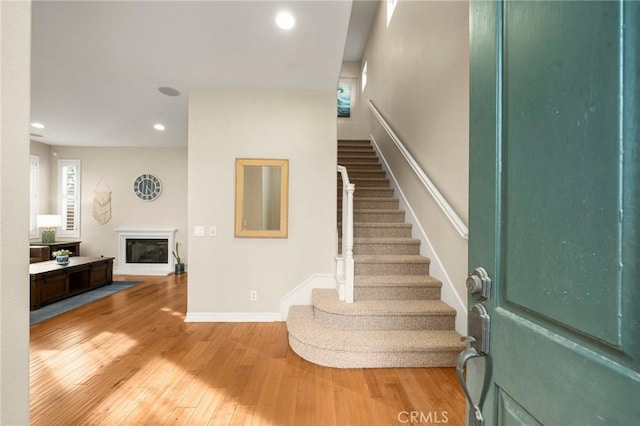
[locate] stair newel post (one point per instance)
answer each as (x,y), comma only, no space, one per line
(349,263)
(345,224)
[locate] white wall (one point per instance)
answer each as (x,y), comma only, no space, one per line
(119,167)
(43,151)
(418,77)
(15,39)
(354,127)
(227,124)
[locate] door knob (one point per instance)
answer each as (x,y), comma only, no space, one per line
(479,284)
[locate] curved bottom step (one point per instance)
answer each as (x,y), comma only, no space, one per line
(369,348)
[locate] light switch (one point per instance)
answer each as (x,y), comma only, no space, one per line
(198,231)
(213,231)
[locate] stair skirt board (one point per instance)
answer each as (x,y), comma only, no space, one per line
(398,318)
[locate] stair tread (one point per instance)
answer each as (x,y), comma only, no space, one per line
(381,224)
(377,211)
(396,281)
(374,188)
(382,199)
(386,188)
(367,178)
(385,240)
(390,258)
(301,324)
(327,300)
(360,180)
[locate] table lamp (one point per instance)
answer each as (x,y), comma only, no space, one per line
(49,222)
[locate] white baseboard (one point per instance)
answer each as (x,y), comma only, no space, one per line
(301,295)
(232,317)
(449,295)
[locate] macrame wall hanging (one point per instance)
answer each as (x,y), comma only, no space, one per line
(102,202)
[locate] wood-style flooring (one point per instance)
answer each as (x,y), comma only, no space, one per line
(130,359)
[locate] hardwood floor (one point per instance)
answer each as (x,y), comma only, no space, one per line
(130,359)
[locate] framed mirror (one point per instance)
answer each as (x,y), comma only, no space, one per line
(262,192)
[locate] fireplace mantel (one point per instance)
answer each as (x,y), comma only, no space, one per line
(123,268)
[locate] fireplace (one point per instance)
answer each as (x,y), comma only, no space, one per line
(145,251)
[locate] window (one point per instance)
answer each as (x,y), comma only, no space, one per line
(391,6)
(364,76)
(34,181)
(69,193)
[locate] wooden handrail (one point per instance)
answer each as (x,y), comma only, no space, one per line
(444,205)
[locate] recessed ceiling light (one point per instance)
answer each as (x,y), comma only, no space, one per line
(285,20)
(37,125)
(159,127)
(169,91)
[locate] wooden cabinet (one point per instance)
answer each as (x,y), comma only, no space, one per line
(72,246)
(51,282)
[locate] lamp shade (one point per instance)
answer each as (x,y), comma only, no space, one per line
(49,220)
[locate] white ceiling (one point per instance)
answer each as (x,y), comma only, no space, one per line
(97,66)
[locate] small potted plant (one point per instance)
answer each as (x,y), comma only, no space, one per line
(179,267)
(62,256)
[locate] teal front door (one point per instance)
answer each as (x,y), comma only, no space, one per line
(555,210)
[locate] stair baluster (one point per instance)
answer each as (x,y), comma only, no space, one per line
(346,247)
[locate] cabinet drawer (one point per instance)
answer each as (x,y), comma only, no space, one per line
(54,286)
(36,292)
(100,274)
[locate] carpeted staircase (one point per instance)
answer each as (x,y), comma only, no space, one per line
(397,318)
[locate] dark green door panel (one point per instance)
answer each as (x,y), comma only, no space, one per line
(554,209)
(561,149)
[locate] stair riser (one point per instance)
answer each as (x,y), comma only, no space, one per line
(373,193)
(369,359)
(379,217)
(355,146)
(356,154)
(353,142)
(358,160)
(362,167)
(381,248)
(391,268)
(365,182)
(376,204)
(396,293)
(355,174)
(371,232)
(384,322)
(376,215)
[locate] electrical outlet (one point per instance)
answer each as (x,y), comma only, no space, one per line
(213,231)
(198,231)
(253,295)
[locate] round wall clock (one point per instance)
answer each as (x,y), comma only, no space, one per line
(147,187)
